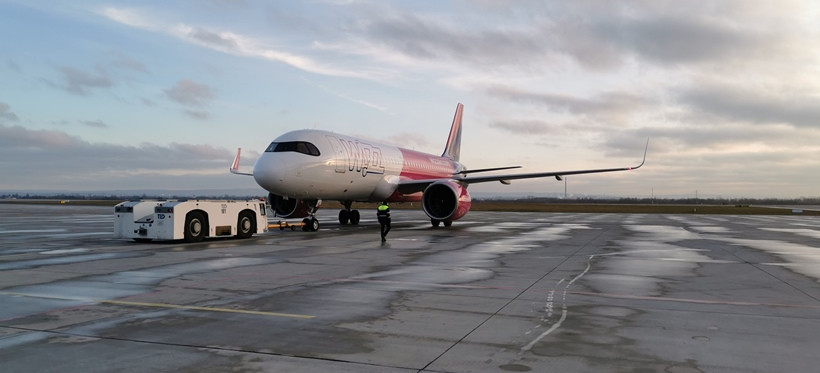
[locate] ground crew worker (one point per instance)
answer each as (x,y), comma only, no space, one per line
(383,213)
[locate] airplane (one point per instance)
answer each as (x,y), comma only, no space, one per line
(301,168)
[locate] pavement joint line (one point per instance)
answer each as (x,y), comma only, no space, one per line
(160,305)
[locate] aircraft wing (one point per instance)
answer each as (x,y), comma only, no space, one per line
(412,186)
(557,174)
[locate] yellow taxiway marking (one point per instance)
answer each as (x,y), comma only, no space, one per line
(160,305)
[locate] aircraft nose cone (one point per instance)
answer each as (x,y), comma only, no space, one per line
(266,173)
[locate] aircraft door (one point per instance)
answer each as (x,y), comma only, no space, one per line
(340,158)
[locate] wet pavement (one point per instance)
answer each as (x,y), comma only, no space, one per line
(497,292)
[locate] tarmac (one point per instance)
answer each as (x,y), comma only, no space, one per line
(496,292)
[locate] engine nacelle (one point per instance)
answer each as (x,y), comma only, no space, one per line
(291,207)
(446,201)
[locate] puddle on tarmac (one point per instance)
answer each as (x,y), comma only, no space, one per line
(711,229)
(465,265)
(32,299)
(624,284)
(63,251)
(646,260)
(447,268)
(23,264)
(800,232)
(33,231)
(500,227)
(802,259)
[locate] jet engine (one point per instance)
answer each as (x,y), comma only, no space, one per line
(445,201)
(291,207)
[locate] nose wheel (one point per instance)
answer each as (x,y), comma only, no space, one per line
(310,224)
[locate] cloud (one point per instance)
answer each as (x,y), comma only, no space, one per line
(190,93)
(80,82)
(6,113)
(240,45)
(193,95)
(537,37)
(17,137)
(225,41)
(94,123)
(197,114)
(524,127)
(744,104)
(414,40)
(602,104)
(233,43)
(128,16)
(66,157)
(679,38)
(123,61)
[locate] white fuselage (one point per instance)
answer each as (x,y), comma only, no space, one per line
(341,167)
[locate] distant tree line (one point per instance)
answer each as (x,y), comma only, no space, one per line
(671,201)
(113,197)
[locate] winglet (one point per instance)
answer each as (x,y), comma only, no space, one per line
(453,148)
(644,156)
(235,165)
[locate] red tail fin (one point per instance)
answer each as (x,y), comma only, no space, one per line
(453,148)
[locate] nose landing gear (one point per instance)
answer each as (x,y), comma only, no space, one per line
(310,224)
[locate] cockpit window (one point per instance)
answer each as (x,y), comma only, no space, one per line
(294,146)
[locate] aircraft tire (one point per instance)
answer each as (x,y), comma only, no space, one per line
(306,225)
(435,222)
(344,217)
(355,217)
(448,223)
(314,225)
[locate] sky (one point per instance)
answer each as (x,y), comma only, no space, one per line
(118,95)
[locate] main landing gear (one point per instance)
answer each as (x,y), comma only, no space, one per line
(347,215)
(436,222)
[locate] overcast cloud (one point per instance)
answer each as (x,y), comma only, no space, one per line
(728,92)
